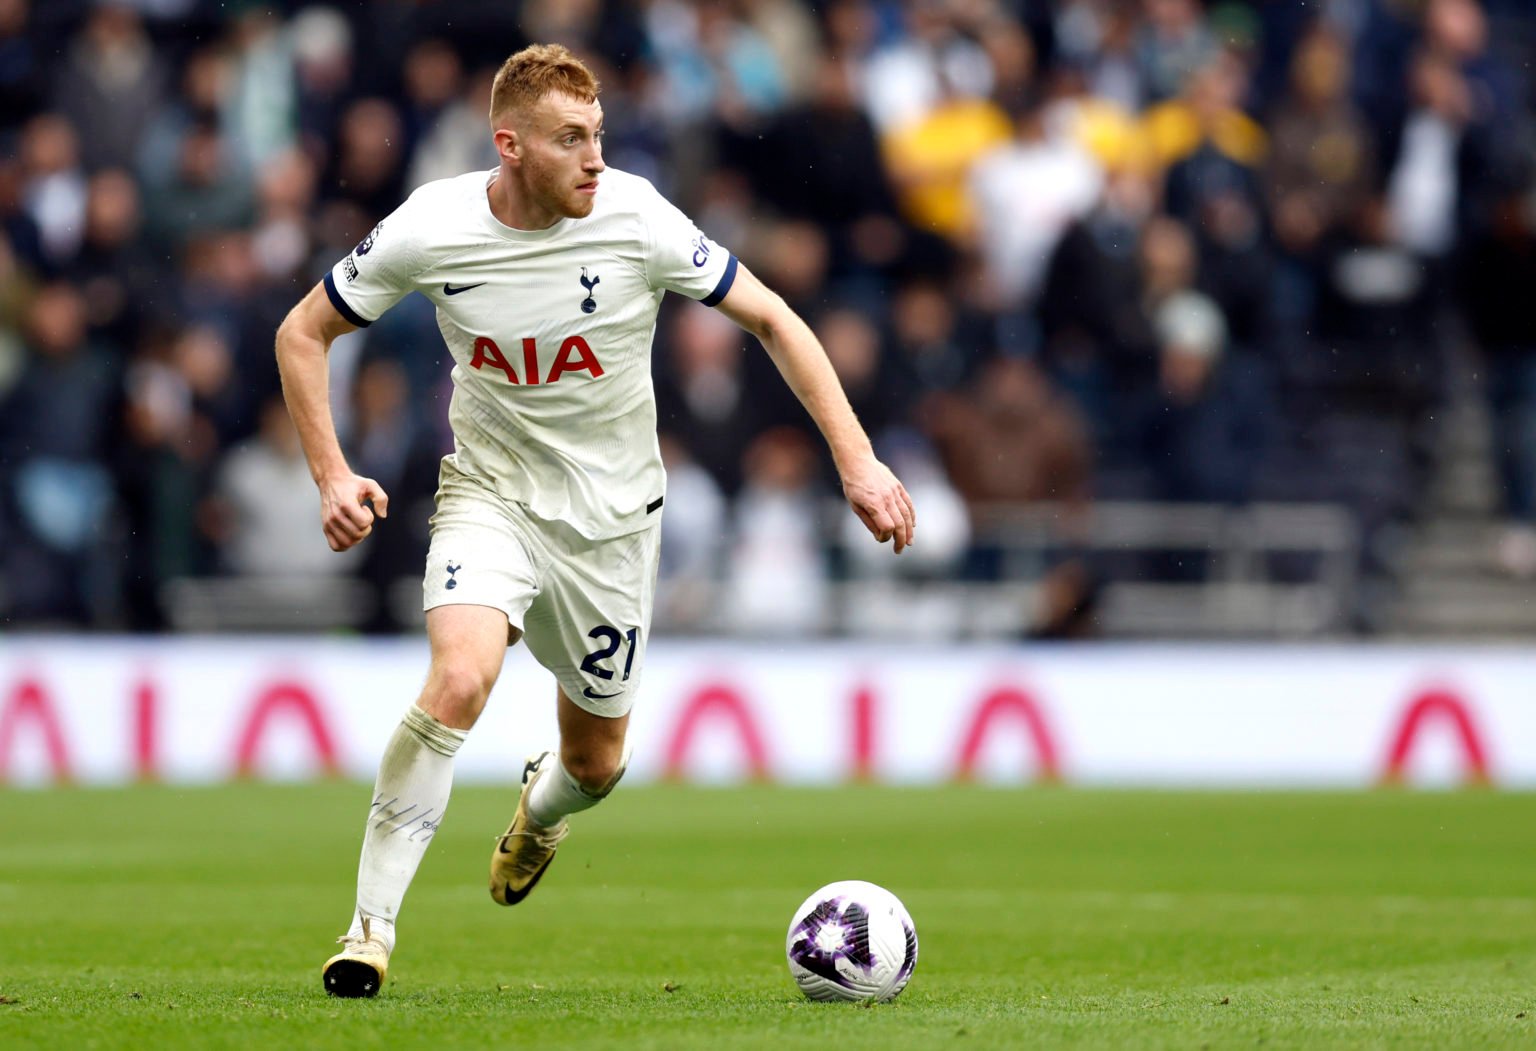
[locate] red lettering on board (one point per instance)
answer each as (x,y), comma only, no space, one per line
(29,703)
(716,702)
(291,699)
(146,725)
(1441,706)
(862,713)
(1008,704)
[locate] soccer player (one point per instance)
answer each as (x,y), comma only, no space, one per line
(547,274)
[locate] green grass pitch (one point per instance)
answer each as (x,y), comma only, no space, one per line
(166,917)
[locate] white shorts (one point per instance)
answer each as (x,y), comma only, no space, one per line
(584,606)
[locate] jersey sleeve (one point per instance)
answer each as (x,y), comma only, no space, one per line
(378,273)
(681,259)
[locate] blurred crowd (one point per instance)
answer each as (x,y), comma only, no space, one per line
(1057,250)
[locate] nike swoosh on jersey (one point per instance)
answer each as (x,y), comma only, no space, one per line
(587,693)
(449,290)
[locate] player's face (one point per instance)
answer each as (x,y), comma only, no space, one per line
(563,154)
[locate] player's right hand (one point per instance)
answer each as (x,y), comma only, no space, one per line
(880,501)
(345,517)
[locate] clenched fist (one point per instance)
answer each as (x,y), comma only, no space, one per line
(345,517)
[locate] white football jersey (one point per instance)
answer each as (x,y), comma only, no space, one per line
(550,332)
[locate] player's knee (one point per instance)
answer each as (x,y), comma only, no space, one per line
(456,691)
(595,771)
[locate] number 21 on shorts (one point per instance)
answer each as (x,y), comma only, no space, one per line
(610,640)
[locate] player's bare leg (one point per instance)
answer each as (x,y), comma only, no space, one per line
(415,777)
(591,761)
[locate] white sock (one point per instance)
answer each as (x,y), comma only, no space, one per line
(557,794)
(409,798)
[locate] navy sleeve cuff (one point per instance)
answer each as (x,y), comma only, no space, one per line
(726,280)
(345,309)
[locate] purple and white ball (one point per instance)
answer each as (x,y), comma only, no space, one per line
(852,940)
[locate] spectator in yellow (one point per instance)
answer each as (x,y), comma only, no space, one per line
(1207,115)
(929,160)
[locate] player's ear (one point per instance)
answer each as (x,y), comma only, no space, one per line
(508,144)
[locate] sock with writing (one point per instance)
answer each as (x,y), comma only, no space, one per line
(409,798)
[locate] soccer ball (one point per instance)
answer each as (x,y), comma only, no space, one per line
(852,940)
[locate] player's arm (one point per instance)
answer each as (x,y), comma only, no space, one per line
(875,494)
(303,343)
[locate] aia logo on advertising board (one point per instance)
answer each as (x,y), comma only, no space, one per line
(720,706)
(28,706)
(1437,712)
(860,729)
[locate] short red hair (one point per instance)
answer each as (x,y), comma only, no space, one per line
(536,71)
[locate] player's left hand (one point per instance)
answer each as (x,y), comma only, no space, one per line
(880,501)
